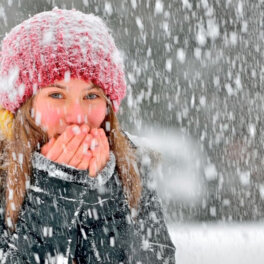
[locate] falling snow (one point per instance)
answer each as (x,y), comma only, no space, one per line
(194,74)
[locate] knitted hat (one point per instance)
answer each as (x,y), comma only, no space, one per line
(56,45)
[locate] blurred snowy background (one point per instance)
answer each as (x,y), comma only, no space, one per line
(195,73)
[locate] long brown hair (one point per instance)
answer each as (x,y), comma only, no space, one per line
(27,137)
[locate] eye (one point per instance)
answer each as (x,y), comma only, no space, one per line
(91,96)
(56,95)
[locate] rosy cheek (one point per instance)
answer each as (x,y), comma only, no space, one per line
(96,116)
(49,116)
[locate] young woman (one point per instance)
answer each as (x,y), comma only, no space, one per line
(74,188)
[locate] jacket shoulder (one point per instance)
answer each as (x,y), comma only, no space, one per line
(148,160)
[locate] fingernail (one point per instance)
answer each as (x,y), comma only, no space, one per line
(76,130)
(84,129)
(94,144)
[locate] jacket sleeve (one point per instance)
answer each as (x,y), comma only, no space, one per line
(46,228)
(153,239)
(156,245)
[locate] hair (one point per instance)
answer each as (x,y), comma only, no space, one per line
(27,137)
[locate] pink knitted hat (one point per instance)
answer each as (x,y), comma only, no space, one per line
(55,45)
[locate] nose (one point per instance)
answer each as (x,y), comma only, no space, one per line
(75,113)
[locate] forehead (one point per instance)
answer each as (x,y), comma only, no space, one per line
(73,85)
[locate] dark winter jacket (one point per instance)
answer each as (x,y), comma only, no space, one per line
(68,215)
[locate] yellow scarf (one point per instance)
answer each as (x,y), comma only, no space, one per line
(6,121)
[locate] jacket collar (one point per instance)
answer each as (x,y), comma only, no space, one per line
(71,174)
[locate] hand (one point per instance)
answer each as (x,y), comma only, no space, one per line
(100,151)
(89,151)
(71,147)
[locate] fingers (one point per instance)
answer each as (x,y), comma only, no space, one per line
(57,148)
(77,148)
(70,149)
(104,147)
(45,148)
(95,160)
(93,168)
(105,144)
(100,151)
(81,152)
(84,164)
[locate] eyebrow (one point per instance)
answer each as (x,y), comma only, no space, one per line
(65,87)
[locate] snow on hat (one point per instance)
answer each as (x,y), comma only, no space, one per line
(55,45)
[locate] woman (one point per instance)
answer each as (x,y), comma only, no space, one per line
(74,187)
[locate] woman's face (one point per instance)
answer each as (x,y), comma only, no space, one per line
(66,103)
